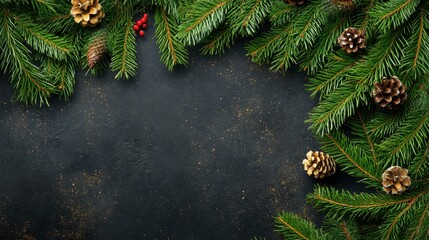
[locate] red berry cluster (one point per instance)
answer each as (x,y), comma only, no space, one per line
(142,23)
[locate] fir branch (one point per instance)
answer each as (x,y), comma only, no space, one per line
(393,13)
(409,137)
(416,60)
(383,124)
(332,76)
(344,204)
(124,58)
(317,56)
(42,40)
(263,48)
(204,16)
(62,75)
(352,159)
(249,16)
(218,41)
(332,112)
(419,225)
(281,13)
(341,229)
(30,85)
(292,226)
(169,6)
(419,167)
(173,52)
(397,219)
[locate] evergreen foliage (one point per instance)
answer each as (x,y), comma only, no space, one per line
(363,139)
(42,53)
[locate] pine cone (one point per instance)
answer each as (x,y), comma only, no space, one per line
(319,164)
(344,4)
(87,12)
(96,51)
(295,2)
(352,40)
(395,180)
(390,93)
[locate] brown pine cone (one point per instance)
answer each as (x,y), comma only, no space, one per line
(352,40)
(344,4)
(295,2)
(395,180)
(319,164)
(87,12)
(96,51)
(390,93)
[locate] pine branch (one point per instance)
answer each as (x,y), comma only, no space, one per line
(354,160)
(344,204)
(218,41)
(173,52)
(416,60)
(409,138)
(263,48)
(204,16)
(292,226)
(393,13)
(282,13)
(249,16)
(383,124)
(419,225)
(306,28)
(398,219)
(333,75)
(316,58)
(333,111)
(62,75)
(341,229)
(124,58)
(30,85)
(419,167)
(42,40)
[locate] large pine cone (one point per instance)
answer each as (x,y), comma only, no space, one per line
(87,12)
(319,164)
(295,2)
(395,180)
(96,51)
(352,40)
(390,93)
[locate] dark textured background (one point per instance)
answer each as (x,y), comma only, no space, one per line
(211,151)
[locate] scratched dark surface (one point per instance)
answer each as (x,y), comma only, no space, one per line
(211,151)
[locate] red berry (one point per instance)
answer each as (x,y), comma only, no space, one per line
(145,15)
(144,25)
(143,20)
(139,23)
(136,28)
(141,33)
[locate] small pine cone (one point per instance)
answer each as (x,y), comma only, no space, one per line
(352,40)
(87,12)
(390,93)
(96,51)
(295,2)
(395,180)
(319,164)
(344,4)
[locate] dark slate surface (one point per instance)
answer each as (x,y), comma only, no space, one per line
(212,151)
